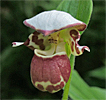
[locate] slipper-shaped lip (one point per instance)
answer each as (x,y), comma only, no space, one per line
(51,22)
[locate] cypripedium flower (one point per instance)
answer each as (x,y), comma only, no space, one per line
(55,38)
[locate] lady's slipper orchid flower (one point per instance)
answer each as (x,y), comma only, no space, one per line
(55,39)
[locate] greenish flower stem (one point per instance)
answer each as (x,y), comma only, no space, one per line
(67,86)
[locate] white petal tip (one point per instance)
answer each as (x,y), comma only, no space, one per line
(15,44)
(86,48)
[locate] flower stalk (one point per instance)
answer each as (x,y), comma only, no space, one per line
(67,86)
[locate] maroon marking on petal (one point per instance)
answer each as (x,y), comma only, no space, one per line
(42,47)
(40,87)
(74,34)
(38,41)
(77,50)
(27,42)
(72,46)
(36,33)
(31,47)
(82,49)
(62,84)
(57,87)
(50,88)
(13,43)
(35,39)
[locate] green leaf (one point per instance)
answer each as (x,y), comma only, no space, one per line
(79,9)
(98,73)
(79,89)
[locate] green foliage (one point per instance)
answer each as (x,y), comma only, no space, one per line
(80,90)
(98,73)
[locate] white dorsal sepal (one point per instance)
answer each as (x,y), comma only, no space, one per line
(50,21)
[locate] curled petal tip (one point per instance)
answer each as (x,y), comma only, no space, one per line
(15,44)
(86,48)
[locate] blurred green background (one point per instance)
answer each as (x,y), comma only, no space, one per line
(15,62)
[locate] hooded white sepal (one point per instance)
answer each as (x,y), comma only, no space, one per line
(51,21)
